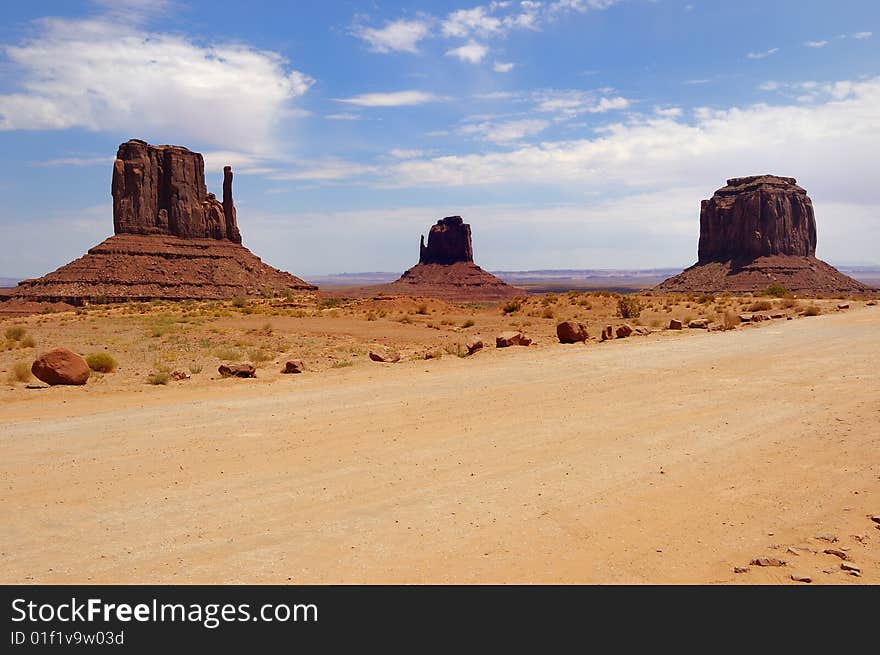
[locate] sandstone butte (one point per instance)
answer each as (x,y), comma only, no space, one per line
(172,240)
(757,232)
(446,268)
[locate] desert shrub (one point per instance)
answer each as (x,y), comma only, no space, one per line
(21,372)
(342,364)
(512,306)
(655,323)
(329,303)
(547,313)
(227,354)
(789,303)
(195,368)
(405,320)
(812,310)
(777,291)
(102,362)
(15,333)
(239,302)
(760,306)
(629,307)
(730,321)
(158,377)
(371,316)
(468,323)
(28,341)
(422,309)
(455,349)
(705,299)
(258,356)
(267,329)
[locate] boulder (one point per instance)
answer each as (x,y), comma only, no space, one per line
(294,366)
(61,366)
(843,305)
(388,356)
(699,323)
(473,346)
(675,324)
(506,339)
(237,371)
(624,331)
(607,333)
(871,303)
(746,318)
(571,332)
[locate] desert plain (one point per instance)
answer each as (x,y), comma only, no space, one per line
(671,456)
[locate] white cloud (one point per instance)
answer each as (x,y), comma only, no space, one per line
(471,52)
(504,132)
(816,44)
(762,55)
(343,117)
(402,153)
(862,35)
(325,170)
(503,66)
(832,145)
(393,99)
(395,36)
(569,103)
(467,22)
(103,74)
(78,161)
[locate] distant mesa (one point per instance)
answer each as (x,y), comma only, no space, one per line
(446,268)
(173,240)
(757,232)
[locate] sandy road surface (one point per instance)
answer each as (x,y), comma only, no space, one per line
(657,460)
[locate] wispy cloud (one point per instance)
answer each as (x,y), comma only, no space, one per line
(503,66)
(762,55)
(862,35)
(343,117)
(472,52)
(504,132)
(392,99)
(77,161)
(816,44)
(395,36)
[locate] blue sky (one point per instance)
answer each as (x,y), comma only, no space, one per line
(569,133)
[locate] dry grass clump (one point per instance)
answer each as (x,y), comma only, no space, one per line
(629,307)
(102,362)
(760,306)
(512,306)
(15,333)
(812,310)
(729,321)
(468,323)
(258,356)
(21,372)
(158,377)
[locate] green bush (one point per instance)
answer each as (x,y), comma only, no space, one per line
(777,291)
(629,307)
(102,362)
(512,306)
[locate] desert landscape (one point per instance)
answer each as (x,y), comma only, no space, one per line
(631,347)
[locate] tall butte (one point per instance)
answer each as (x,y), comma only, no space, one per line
(173,240)
(757,232)
(446,268)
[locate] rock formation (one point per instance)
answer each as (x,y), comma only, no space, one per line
(446,268)
(449,241)
(173,240)
(757,232)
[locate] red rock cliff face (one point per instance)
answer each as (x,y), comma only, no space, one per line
(755,217)
(449,241)
(161,190)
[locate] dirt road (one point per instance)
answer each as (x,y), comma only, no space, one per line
(658,460)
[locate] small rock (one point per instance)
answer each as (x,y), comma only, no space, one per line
(643,331)
(607,333)
(740,569)
(836,552)
(827,536)
(871,303)
(473,346)
(389,356)
(779,315)
(237,371)
(179,375)
(36,386)
(767,561)
(843,305)
(746,318)
(293,367)
(792,550)
(699,324)
(876,518)
(675,324)
(801,578)
(624,331)
(507,339)
(757,318)
(852,568)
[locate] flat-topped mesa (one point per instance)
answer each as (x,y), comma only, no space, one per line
(161,190)
(757,216)
(449,241)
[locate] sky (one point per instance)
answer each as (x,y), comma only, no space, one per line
(568,133)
